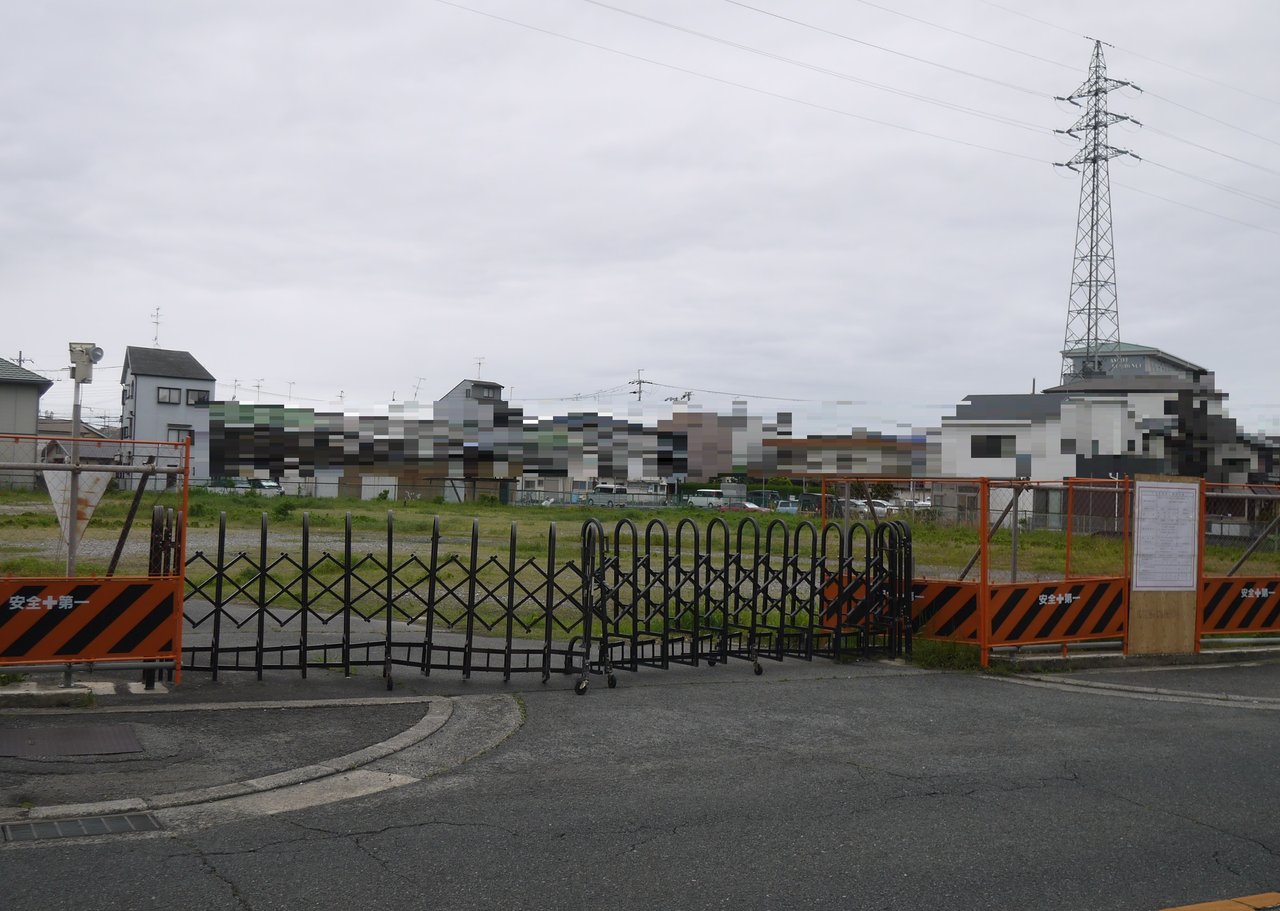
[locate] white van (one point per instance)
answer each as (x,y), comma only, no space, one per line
(609,495)
(707,499)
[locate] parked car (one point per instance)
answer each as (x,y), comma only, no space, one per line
(742,506)
(609,495)
(263,487)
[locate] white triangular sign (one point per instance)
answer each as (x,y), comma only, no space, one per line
(93,484)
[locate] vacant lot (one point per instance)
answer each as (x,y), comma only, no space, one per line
(30,545)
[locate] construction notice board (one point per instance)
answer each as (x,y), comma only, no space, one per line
(44,621)
(1166,565)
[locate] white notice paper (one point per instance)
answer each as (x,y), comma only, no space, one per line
(1166,536)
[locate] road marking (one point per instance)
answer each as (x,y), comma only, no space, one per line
(1261,902)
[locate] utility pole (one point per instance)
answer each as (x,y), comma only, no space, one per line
(639,383)
(1093,317)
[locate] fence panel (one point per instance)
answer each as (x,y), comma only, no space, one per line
(606,601)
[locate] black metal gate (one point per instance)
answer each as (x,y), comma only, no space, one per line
(624,598)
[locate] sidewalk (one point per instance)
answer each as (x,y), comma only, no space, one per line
(124,751)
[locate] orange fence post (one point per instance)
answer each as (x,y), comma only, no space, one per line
(984,590)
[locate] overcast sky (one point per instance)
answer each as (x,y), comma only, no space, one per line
(774,198)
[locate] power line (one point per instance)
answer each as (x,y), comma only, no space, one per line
(915,96)
(887,50)
(1216,120)
(1172,66)
(971,37)
(1229,157)
(1185,205)
(739,85)
(1226,188)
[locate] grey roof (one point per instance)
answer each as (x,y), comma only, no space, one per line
(1019,407)
(162,362)
(1120,348)
(12,373)
(1114,385)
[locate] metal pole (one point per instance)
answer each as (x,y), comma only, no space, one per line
(73,498)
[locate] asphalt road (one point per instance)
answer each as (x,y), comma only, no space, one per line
(815,786)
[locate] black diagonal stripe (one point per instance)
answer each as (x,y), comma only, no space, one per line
(1003,614)
(1033,611)
(24,592)
(46,624)
(964,612)
(1046,631)
(1225,620)
(1109,613)
(1270,622)
(1086,610)
(103,619)
(1258,605)
(144,627)
(936,604)
(1212,605)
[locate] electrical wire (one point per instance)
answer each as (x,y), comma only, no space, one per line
(887,50)
(1226,188)
(903,93)
(971,37)
(1197,208)
(739,85)
(1172,66)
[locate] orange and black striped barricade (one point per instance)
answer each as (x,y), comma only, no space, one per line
(1239,604)
(1039,613)
(945,610)
(80,620)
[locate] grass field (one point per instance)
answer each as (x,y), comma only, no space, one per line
(29,535)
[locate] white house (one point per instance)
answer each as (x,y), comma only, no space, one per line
(166,397)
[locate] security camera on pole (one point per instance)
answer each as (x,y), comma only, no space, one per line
(83,356)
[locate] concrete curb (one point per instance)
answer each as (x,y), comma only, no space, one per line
(1155,690)
(29,694)
(439,711)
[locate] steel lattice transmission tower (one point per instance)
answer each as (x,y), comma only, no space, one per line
(1093,317)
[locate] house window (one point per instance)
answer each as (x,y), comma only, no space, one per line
(197,396)
(167,395)
(1068,446)
(992,447)
(179,433)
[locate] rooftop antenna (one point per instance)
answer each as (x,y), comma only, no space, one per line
(1093,314)
(235,390)
(417,386)
(257,388)
(479,364)
(155,321)
(291,382)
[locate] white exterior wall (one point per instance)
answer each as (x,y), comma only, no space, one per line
(149,419)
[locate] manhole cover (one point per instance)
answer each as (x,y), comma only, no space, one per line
(78,828)
(69,740)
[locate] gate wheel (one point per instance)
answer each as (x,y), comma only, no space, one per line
(581,685)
